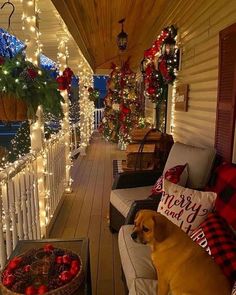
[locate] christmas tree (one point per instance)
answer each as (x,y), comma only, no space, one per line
(121,108)
(20,144)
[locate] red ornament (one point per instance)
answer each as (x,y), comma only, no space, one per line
(125,110)
(27,268)
(30,290)
(65,276)
(122,117)
(74,270)
(62,83)
(66,259)
(13,264)
(2,60)
(8,280)
(42,289)
(75,263)
(32,73)
(7,272)
(59,260)
(48,248)
(90,90)
(151,90)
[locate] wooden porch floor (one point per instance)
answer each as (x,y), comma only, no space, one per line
(84,213)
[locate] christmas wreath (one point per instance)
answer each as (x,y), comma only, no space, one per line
(160,64)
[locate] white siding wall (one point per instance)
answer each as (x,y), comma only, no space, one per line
(198,23)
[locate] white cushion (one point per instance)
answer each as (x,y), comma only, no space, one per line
(199,161)
(185,207)
(135,257)
(122,199)
(143,287)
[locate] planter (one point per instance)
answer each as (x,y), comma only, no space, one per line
(11,108)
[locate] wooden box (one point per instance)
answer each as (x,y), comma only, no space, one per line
(138,158)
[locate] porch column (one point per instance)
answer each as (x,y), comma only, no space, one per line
(85,74)
(62,57)
(30,27)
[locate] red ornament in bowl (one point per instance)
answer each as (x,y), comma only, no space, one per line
(8,280)
(31,290)
(48,248)
(65,276)
(42,289)
(14,263)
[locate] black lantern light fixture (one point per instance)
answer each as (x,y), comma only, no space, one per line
(122,38)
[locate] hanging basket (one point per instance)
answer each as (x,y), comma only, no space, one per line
(12,108)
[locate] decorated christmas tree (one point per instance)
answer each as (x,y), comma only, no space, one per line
(121,108)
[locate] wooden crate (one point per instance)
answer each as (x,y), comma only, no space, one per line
(138,134)
(140,159)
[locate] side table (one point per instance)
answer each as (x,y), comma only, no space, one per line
(79,246)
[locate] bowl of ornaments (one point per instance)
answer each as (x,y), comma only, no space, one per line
(46,270)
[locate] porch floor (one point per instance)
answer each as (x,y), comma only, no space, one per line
(84,213)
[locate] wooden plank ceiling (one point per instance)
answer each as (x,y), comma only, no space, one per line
(94,26)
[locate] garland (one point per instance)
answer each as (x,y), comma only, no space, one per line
(160,64)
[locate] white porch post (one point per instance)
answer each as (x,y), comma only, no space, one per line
(62,57)
(85,74)
(31,31)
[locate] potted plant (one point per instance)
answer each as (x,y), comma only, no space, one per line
(23,87)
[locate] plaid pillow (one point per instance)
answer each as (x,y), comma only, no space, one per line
(234,289)
(215,236)
(177,175)
(225,187)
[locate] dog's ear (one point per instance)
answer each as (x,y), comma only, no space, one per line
(136,215)
(160,230)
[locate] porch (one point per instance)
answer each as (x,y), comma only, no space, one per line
(84,213)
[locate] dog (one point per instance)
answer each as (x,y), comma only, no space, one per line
(183,267)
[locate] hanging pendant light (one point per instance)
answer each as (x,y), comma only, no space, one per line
(122,38)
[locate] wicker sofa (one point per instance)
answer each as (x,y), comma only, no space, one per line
(138,271)
(131,190)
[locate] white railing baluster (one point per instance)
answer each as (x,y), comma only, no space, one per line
(23,205)
(18,206)
(32,204)
(12,211)
(36,201)
(28,203)
(98,115)
(5,202)
(3,254)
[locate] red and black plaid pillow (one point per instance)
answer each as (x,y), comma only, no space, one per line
(215,236)
(225,187)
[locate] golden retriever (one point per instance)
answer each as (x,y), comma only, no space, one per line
(183,267)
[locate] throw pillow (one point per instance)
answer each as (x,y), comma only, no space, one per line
(177,174)
(215,236)
(234,289)
(185,207)
(225,187)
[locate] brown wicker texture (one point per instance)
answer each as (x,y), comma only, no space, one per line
(67,289)
(11,108)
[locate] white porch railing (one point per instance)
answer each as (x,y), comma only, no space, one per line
(75,139)
(30,191)
(98,115)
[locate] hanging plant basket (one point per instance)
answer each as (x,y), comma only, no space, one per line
(12,108)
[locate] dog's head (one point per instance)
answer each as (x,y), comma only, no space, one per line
(150,227)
